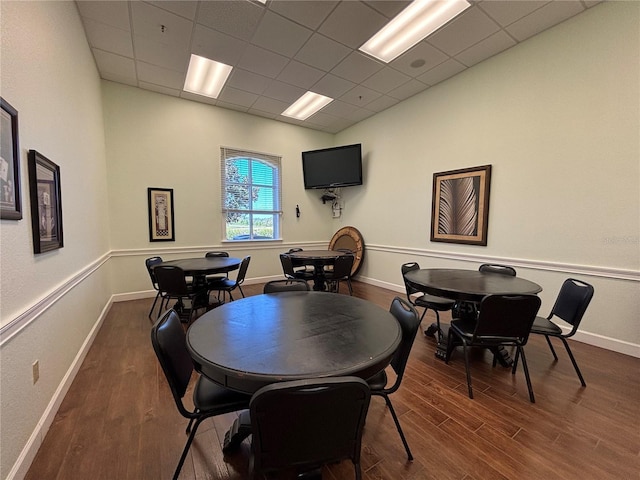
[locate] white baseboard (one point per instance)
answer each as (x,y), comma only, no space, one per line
(21,467)
(596,340)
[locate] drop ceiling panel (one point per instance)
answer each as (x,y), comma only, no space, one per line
(352,23)
(300,75)
(107,37)
(543,18)
(160,26)
(469,28)
(357,67)
(322,52)
(310,13)
(111,13)
(280,35)
(284,47)
(217,46)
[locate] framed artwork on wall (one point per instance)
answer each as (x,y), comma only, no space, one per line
(46,203)
(460,205)
(10,204)
(161,225)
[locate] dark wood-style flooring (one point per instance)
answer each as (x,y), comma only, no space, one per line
(119,421)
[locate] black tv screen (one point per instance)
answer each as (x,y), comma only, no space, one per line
(333,167)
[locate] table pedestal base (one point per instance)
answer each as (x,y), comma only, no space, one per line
(240,429)
(501,353)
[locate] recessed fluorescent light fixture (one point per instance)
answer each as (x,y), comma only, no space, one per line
(307,105)
(206,77)
(419,20)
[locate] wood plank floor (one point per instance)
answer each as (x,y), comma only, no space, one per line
(118,420)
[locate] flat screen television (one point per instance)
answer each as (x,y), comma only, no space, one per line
(333,167)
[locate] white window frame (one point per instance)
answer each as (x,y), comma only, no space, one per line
(275,162)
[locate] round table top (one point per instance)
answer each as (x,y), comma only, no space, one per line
(316,254)
(204,265)
(470,285)
(258,340)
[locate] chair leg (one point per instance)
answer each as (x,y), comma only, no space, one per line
(350,287)
(466,366)
(573,360)
(398,427)
(240,288)
(154,304)
(439,330)
(192,435)
(520,350)
(551,347)
(449,346)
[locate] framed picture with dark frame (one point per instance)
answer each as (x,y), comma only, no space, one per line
(46,203)
(161,226)
(460,205)
(10,203)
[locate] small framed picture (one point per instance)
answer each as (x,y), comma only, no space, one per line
(460,205)
(46,203)
(10,203)
(161,215)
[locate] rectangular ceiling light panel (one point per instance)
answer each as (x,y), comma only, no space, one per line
(206,77)
(307,105)
(419,20)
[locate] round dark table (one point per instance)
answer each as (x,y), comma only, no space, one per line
(317,258)
(252,342)
(202,266)
(467,286)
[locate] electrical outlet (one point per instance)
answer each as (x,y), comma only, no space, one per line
(35,368)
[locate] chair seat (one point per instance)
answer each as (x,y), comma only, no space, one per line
(378,381)
(208,395)
(464,327)
(544,326)
(221,284)
(433,302)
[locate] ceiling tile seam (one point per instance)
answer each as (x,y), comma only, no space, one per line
(133,45)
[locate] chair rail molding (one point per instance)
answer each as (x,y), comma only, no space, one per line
(569,268)
(15,325)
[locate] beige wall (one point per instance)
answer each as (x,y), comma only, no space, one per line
(558,118)
(48,74)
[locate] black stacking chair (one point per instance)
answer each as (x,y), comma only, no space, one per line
(150,263)
(303,268)
(341,272)
(495,268)
(288,285)
(173,285)
(409,324)
(425,301)
(572,301)
(503,320)
(290,272)
(301,425)
(209,399)
(214,254)
(226,285)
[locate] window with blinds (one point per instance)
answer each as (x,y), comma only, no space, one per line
(250,195)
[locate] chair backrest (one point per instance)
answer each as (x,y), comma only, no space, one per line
(342,266)
(495,268)
(150,263)
(287,265)
(289,285)
(409,321)
(171,280)
(572,301)
(169,342)
(295,249)
(406,268)
(216,254)
(242,271)
(506,317)
(308,422)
